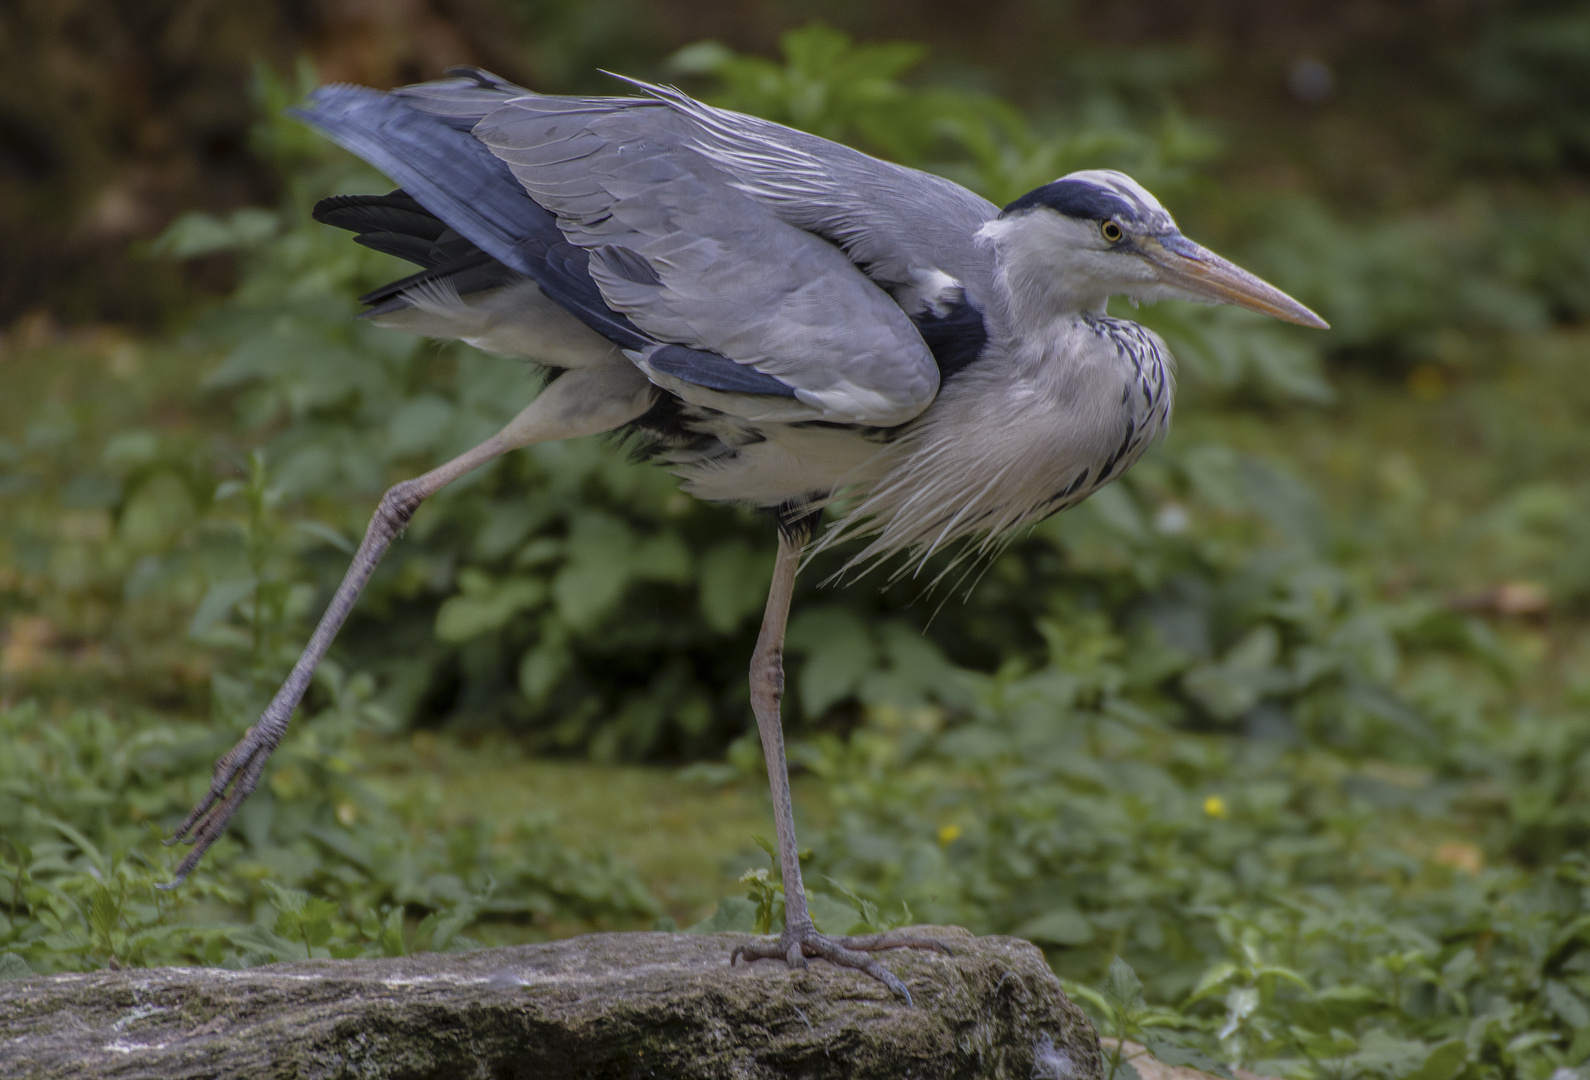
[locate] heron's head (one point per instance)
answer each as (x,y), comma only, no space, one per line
(1096,234)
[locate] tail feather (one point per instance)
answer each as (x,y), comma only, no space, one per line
(463,217)
(395,213)
(453,177)
(397,225)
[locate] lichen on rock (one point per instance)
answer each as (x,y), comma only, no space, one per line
(604,1005)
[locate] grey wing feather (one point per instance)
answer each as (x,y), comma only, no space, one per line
(467,98)
(692,260)
(898,224)
(420,136)
(906,228)
(697,255)
(463,184)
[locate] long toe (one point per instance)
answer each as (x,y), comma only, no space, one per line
(894,939)
(794,946)
(830,949)
(757,950)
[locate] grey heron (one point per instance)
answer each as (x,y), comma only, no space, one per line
(784,320)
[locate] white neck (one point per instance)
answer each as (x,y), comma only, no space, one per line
(1055,268)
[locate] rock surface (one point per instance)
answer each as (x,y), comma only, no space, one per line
(605,1005)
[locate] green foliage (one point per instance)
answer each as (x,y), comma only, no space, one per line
(1251,767)
(856,94)
(562,591)
(1525,77)
(1313,821)
(835,910)
(1306,898)
(319,863)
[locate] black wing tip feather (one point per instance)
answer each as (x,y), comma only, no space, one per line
(510,234)
(456,179)
(397,212)
(414,249)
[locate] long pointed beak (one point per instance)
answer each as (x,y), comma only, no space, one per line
(1195,269)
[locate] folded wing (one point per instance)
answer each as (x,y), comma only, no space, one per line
(743,265)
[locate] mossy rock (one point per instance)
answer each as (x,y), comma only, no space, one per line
(604,1005)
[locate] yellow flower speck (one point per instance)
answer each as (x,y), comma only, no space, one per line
(948,834)
(1215,807)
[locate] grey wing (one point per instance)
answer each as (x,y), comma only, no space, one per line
(912,232)
(482,231)
(903,227)
(691,260)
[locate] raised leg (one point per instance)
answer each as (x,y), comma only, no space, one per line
(581,402)
(800,938)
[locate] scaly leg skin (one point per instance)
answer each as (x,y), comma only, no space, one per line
(583,402)
(800,938)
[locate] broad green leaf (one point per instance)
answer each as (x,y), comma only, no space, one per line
(834,916)
(1123,986)
(419,424)
(586,591)
(1443,1063)
(540,669)
(1244,676)
(1177,1053)
(218,603)
(193,234)
(734,913)
(838,650)
(1568,1006)
(104,911)
(486,605)
(734,581)
(1061,926)
(1212,980)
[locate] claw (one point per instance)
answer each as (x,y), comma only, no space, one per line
(793,947)
(232,762)
(240,769)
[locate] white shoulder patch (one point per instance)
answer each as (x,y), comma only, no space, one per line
(929,290)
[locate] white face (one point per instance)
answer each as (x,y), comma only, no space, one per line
(1064,264)
(1073,244)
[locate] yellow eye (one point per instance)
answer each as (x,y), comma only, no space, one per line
(1112,232)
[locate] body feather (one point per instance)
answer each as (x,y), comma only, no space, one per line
(662,232)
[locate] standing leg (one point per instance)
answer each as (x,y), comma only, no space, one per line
(800,938)
(582,402)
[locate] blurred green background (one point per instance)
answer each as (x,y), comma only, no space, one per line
(1280,747)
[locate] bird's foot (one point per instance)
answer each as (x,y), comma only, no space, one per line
(799,942)
(240,771)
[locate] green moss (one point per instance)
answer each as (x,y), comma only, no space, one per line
(598,1007)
